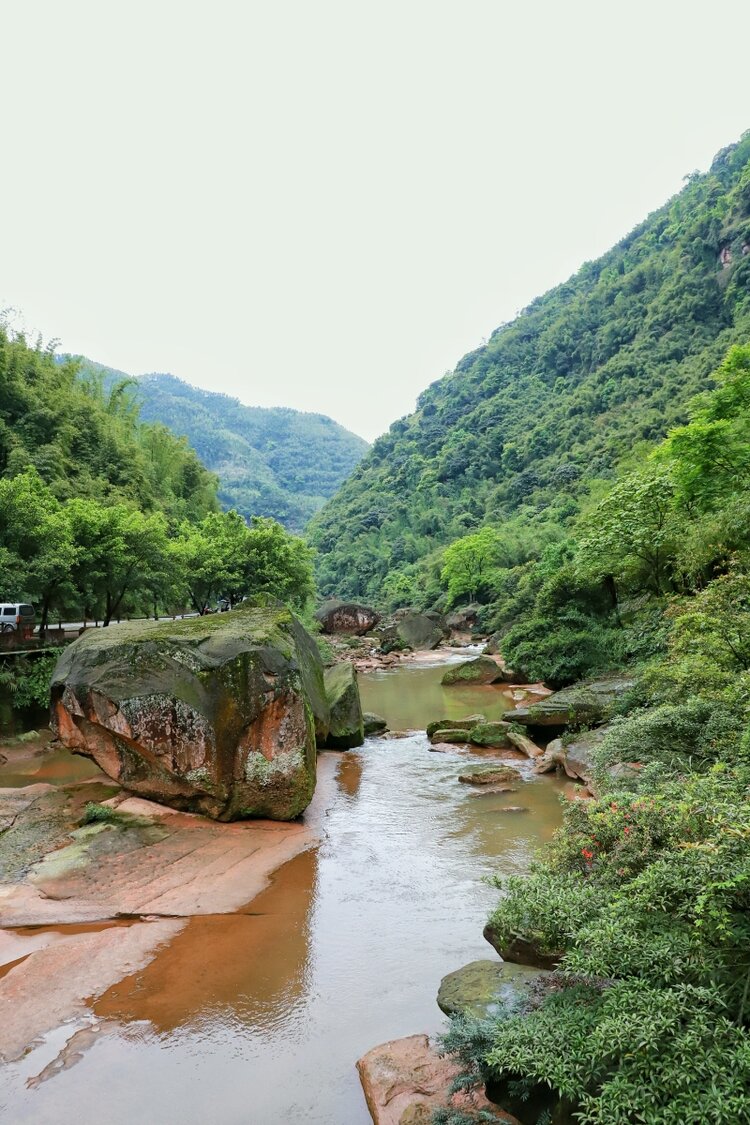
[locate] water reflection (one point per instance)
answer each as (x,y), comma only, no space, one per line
(251,967)
(410,697)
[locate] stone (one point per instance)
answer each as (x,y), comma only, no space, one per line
(216,714)
(490,775)
(525,745)
(346,617)
(405,1080)
(373,724)
(415,631)
(464,725)
(588,704)
(461,620)
(520,949)
(491,734)
(492,646)
(481,670)
(482,989)
(450,734)
(347,728)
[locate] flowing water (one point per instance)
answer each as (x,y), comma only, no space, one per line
(257,1018)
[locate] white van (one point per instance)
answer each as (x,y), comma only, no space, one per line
(16,617)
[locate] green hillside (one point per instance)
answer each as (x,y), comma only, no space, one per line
(527,424)
(85,438)
(270,462)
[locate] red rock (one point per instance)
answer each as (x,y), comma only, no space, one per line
(405,1080)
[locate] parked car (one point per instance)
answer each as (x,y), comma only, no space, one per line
(17,617)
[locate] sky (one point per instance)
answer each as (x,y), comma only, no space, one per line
(324,204)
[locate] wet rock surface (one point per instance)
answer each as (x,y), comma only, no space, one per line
(490,775)
(216,715)
(374,724)
(405,1080)
(482,988)
(346,728)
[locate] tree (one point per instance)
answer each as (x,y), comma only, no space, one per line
(37,552)
(208,557)
(633,532)
(119,552)
(278,563)
(469,561)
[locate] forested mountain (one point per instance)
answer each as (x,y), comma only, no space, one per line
(527,424)
(85,439)
(270,462)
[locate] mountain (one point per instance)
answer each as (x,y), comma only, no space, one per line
(532,423)
(270,461)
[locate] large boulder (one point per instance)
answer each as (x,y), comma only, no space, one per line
(521,949)
(463,619)
(215,715)
(482,988)
(584,704)
(346,617)
(481,670)
(405,1080)
(347,726)
(413,630)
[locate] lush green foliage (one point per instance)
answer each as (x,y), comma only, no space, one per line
(551,405)
(273,462)
(25,680)
(644,896)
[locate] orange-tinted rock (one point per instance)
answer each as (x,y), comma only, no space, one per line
(405,1080)
(217,714)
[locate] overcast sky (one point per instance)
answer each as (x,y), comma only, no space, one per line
(324,203)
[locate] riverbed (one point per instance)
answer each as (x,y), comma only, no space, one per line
(258,1017)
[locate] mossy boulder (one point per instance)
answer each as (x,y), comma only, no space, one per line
(413,630)
(584,704)
(490,775)
(216,715)
(347,728)
(490,734)
(463,725)
(481,670)
(482,989)
(374,724)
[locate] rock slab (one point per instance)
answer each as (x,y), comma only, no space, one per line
(216,715)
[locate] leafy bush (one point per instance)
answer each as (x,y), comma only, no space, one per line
(27,680)
(564,648)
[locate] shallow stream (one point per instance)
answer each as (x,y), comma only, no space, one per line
(258,1018)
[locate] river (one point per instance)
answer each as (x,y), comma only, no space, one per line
(258,1017)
